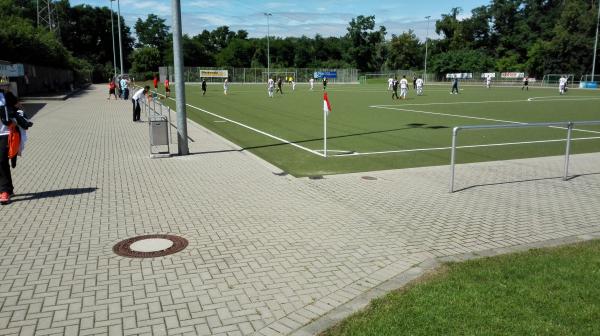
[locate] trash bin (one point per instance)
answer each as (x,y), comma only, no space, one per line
(159,131)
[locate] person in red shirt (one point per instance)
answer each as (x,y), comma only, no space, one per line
(167,88)
(155,82)
(111,88)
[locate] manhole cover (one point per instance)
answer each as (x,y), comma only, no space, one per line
(317,177)
(369,178)
(150,246)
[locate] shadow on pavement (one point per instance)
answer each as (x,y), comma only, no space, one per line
(572,177)
(31,109)
(51,194)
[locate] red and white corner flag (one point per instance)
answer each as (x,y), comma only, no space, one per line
(326,104)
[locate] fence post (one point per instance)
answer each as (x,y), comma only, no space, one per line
(452,158)
(568,151)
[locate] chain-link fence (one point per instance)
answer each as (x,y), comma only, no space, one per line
(260,75)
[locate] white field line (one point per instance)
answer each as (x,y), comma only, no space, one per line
(256,130)
(554,98)
(461,147)
(533,99)
(385,107)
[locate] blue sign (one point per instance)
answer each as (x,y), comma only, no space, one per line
(325,74)
(588,85)
(12,70)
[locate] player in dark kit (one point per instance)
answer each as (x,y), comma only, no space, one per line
(279,84)
(203,86)
(454,86)
(395,88)
(525,84)
(325,83)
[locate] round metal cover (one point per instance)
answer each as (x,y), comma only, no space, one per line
(369,178)
(150,246)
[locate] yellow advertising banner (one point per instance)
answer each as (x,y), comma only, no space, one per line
(214,73)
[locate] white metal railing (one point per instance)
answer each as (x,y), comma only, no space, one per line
(568,125)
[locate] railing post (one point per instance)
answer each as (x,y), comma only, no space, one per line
(568,151)
(452,158)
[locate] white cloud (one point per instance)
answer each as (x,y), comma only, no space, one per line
(156,7)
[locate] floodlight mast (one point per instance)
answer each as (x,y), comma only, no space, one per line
(426,45)
(120,40)
(596,43)
(268,47)
(112,31)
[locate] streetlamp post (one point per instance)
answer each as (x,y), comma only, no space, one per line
(268,48)
(596,44)
(182,138)
(426,45)
(120,40)
(112,31)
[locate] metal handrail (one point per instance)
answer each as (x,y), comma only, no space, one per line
(569,125)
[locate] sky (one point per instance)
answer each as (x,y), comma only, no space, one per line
(293,18)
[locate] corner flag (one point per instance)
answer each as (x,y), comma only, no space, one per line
(326,104)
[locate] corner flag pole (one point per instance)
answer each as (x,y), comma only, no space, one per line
(326,110)
(325,133)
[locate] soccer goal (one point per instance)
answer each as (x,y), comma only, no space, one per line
(378,78)
(284,75)
(590,78)
(553,79)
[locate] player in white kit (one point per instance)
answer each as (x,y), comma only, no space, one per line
(562,84)
(271,87)
(419,86)
(225,86)
(403,87)
(390,83)
(488,81)
(312,83)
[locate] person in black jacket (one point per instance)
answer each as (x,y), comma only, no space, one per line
(9,104)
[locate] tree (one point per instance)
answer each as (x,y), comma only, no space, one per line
(87,34)
(365,43)
(152,32)
(238,53)
(405,52)
(146,59)
(461,61)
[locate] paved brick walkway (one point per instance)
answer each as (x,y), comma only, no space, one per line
(267,254)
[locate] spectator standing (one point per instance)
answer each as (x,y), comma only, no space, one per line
(124,83)
(167,88)
(111,88)
(9,120)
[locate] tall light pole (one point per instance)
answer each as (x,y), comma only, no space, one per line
(596,43)
(426,45)
(112,31)
(268,48)
(182,138)
(120,40)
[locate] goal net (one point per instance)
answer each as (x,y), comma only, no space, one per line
(553,79)
(588,78)
(378,78)
(286,76)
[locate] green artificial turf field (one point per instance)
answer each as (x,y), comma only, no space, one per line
(367,130)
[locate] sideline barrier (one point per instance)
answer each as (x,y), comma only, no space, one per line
(568,125)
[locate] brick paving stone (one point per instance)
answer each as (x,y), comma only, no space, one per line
(266,253)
